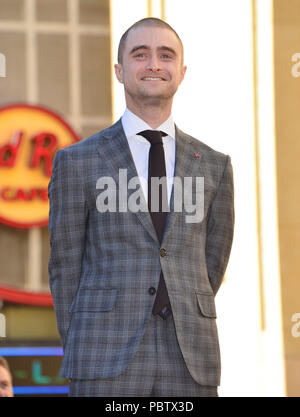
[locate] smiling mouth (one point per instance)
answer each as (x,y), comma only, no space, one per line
(153,79)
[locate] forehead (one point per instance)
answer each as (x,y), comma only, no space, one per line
(153,37)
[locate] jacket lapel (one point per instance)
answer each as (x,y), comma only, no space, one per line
(115,152)
(186,165)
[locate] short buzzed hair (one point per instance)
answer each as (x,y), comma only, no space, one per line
(148,22)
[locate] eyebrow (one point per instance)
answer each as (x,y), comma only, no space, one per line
(159,48)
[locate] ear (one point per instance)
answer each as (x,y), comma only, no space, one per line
(183,71)
(119,72)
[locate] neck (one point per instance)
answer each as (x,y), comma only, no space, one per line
(154,115)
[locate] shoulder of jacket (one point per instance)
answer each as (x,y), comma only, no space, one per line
(87,145)
(201,147)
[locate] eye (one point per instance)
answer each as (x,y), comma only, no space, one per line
(140,55)
(166,56)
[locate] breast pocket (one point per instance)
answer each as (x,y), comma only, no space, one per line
(206,303)
(94,299)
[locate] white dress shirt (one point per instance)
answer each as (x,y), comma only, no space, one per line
(140,146)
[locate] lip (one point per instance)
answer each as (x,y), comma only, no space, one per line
(151,78)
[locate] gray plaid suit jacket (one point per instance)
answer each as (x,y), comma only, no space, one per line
(102,264)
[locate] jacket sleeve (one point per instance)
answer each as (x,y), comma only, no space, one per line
(220,226)
(67,222)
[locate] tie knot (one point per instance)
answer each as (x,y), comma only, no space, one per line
(153,136)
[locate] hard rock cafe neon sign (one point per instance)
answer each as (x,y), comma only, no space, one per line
(29,138)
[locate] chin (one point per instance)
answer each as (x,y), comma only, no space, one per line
(155,99)
(162,95)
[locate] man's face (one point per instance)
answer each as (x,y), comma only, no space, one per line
(152,68)
(5,383)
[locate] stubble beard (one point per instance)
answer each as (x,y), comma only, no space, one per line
(150,98)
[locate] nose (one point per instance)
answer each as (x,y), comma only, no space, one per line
(153,63)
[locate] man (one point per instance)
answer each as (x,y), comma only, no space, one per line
(6,389)
(133,289)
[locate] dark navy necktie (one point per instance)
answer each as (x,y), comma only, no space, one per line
(157,206)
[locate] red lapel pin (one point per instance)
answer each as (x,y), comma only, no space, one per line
(196,155)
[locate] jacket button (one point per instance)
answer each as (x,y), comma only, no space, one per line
(152,290)
(163,252)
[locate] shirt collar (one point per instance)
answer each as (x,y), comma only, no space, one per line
(132,125)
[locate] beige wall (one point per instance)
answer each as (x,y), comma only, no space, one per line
(287,119)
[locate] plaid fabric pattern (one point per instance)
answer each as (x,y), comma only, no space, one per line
(157,370)
(102,264)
